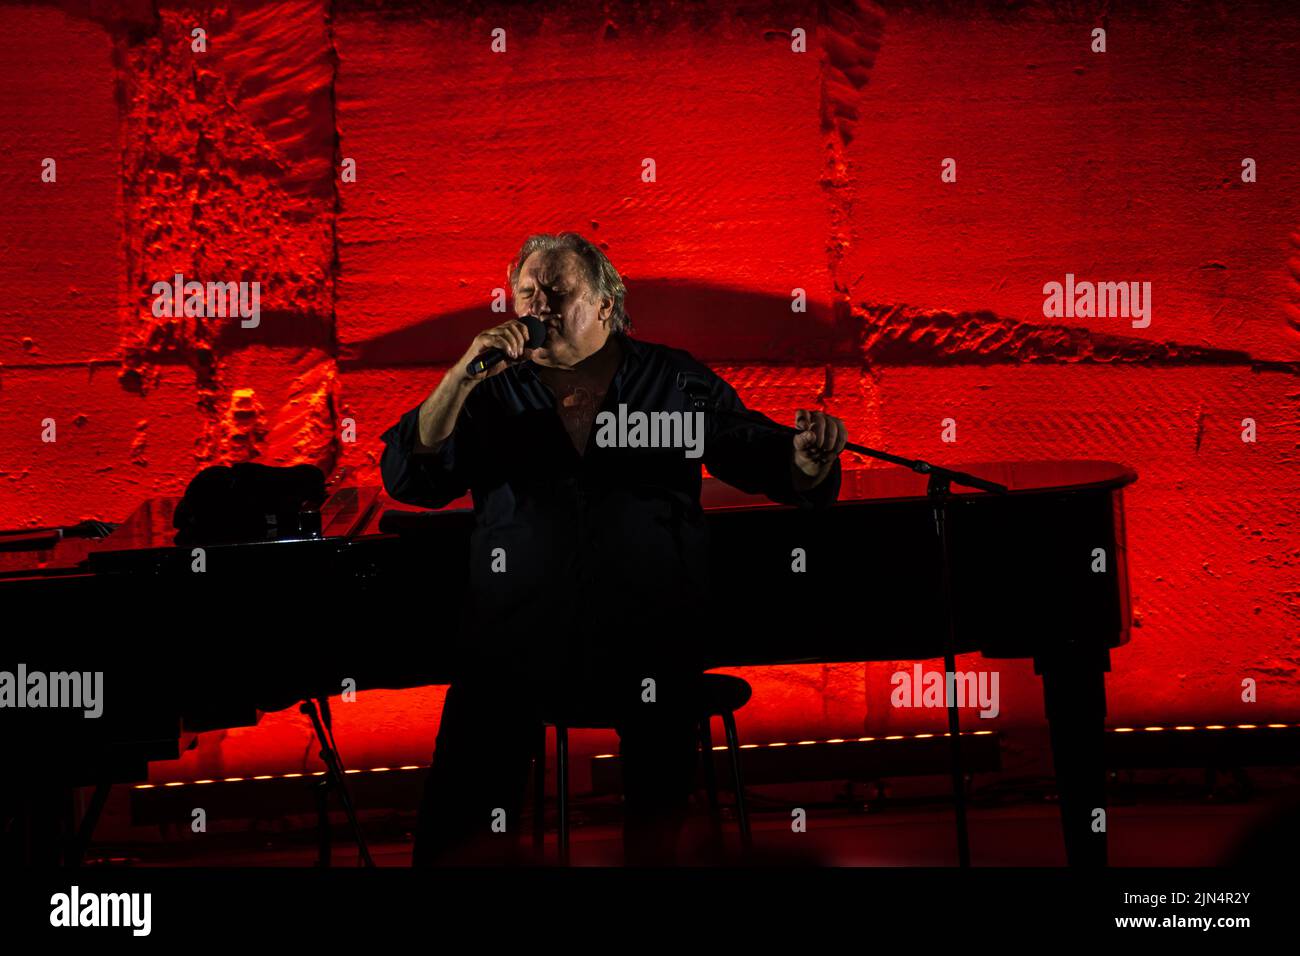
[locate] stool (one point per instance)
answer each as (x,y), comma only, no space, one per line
(716,695)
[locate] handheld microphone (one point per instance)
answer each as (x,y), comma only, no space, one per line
(536,336)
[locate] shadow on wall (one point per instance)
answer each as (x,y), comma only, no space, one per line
(711,322)
(724,325)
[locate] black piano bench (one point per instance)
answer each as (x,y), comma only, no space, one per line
(715,695)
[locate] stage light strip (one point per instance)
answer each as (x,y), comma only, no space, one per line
(775,743)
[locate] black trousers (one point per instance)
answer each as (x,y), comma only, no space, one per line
(491,727)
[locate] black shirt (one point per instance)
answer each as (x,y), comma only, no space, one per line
(597,560)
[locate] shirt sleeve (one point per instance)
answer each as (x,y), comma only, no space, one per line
(755,457)
(427,480)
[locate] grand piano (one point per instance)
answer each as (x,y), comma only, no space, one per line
(272,622)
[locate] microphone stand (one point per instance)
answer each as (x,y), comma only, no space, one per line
(939,494)
(318,711)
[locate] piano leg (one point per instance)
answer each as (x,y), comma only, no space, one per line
(38,816)
(86,831)
(1074,695)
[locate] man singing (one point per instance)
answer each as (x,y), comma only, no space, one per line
(588,562)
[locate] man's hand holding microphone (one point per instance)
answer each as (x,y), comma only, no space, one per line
(492,352)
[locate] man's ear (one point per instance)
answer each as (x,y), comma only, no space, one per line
(606,308)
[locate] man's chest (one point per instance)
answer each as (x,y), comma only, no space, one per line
(577,401)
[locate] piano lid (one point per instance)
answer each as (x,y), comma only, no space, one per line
(883,483)
(355,510)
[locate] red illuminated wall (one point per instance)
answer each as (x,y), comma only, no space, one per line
(776,170)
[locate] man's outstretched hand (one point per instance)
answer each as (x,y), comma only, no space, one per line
(820,440)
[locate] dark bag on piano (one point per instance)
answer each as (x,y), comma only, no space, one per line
(249,502)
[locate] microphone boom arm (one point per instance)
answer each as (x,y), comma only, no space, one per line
(697,389)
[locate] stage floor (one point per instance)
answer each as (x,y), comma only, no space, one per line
(1021,835)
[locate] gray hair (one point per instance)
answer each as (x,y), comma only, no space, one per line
(601,274)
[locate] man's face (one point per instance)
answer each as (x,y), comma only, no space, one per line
(553,286)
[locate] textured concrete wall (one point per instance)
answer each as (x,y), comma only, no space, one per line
(775,171)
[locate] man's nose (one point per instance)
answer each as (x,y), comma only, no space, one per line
(539,305)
